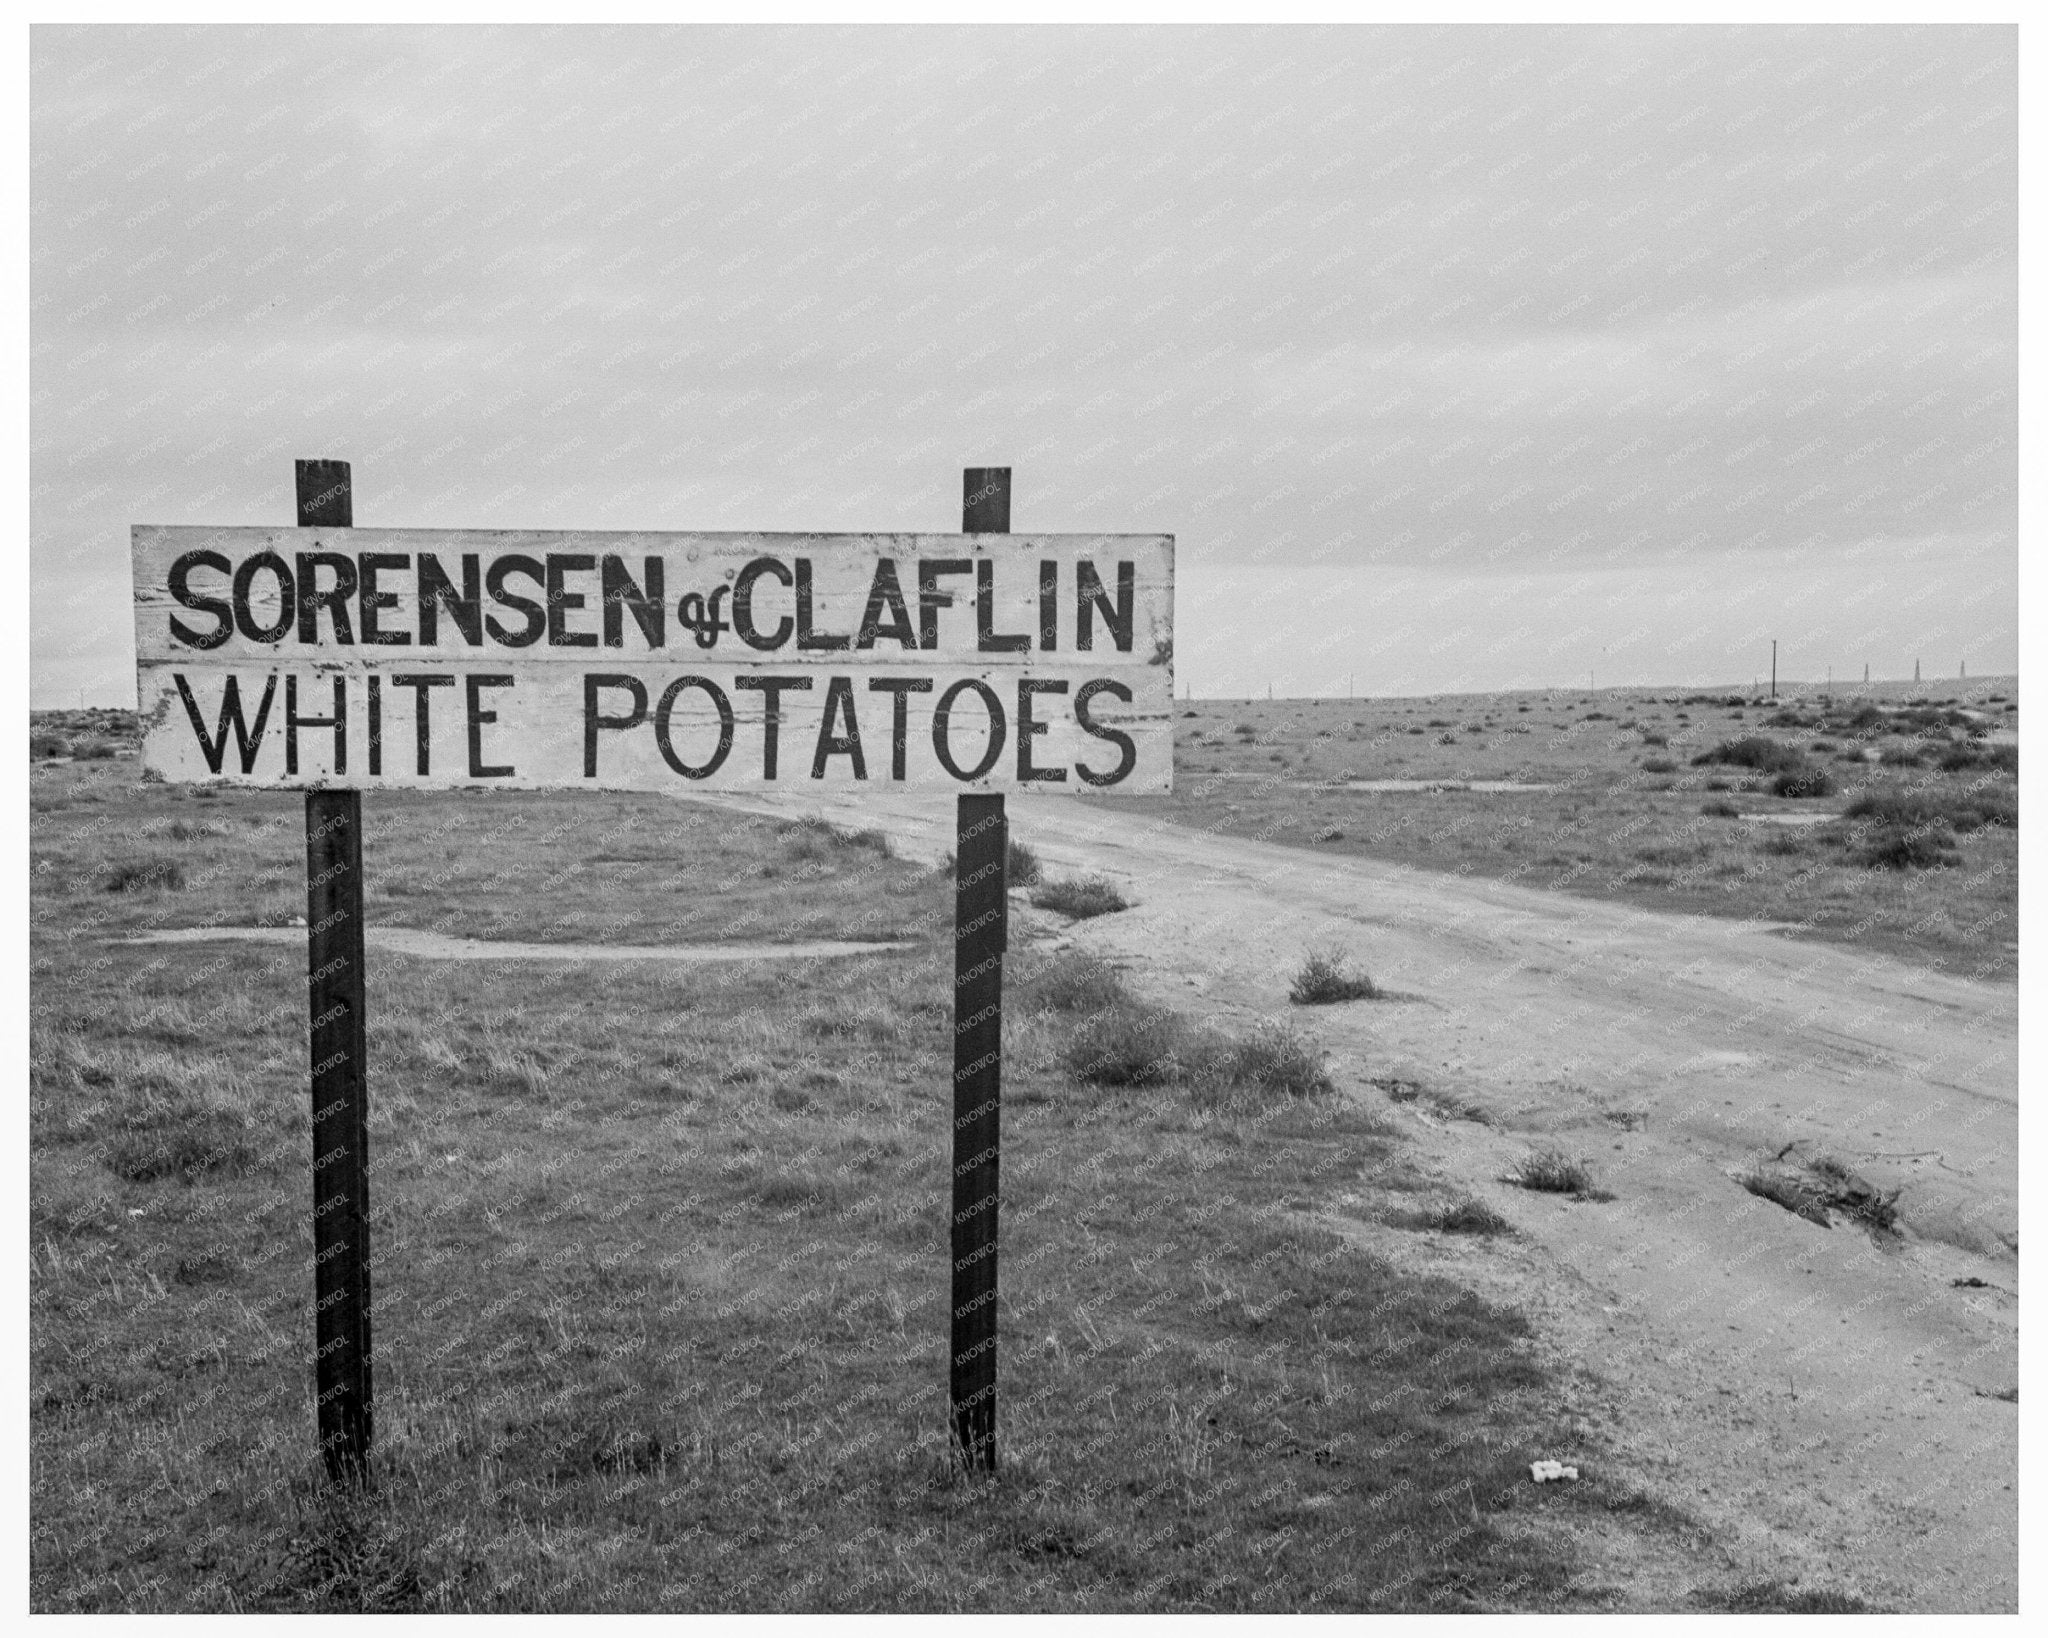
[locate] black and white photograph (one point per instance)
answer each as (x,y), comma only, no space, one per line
(1054,814)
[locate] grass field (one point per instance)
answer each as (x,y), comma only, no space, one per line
(1631,812)
(661,1257)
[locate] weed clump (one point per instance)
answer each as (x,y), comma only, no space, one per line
(1271,1060)
(1552,1171)
(1775,1598)
(1756,751)
(1072,981)
(1133,1043)
(815,840)
(1914,830)
(1456,1217)
(1963,756)
(181,1138)
(1965,811)
(1323,980)
(1129,1043)
(346,1557)
(1082,898)
(1720,809)
(146,876)
(1022,865)
(802,1193)
(1899,847)
(1803,782)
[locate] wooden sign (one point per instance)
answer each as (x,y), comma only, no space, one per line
(982,660)
(331,657)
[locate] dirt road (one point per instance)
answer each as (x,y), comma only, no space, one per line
(1825,1404)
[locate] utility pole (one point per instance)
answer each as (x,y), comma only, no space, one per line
(1916,671)
(1774,668)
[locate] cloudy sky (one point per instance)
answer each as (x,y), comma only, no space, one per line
(1459,358)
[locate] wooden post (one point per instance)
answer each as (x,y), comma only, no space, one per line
(341,1105)
(981,935)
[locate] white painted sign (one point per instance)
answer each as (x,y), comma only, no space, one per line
(622,661)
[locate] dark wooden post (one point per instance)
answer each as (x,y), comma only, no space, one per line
(341,1104)
(981,935)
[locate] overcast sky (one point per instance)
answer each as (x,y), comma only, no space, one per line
(1456,359)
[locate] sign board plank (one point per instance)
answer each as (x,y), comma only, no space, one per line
(417,657)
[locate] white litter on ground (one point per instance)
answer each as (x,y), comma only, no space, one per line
(1543,1472)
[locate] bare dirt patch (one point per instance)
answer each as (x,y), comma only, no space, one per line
(445,947)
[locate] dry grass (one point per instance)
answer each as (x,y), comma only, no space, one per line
(661,1278)
(1613,829)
